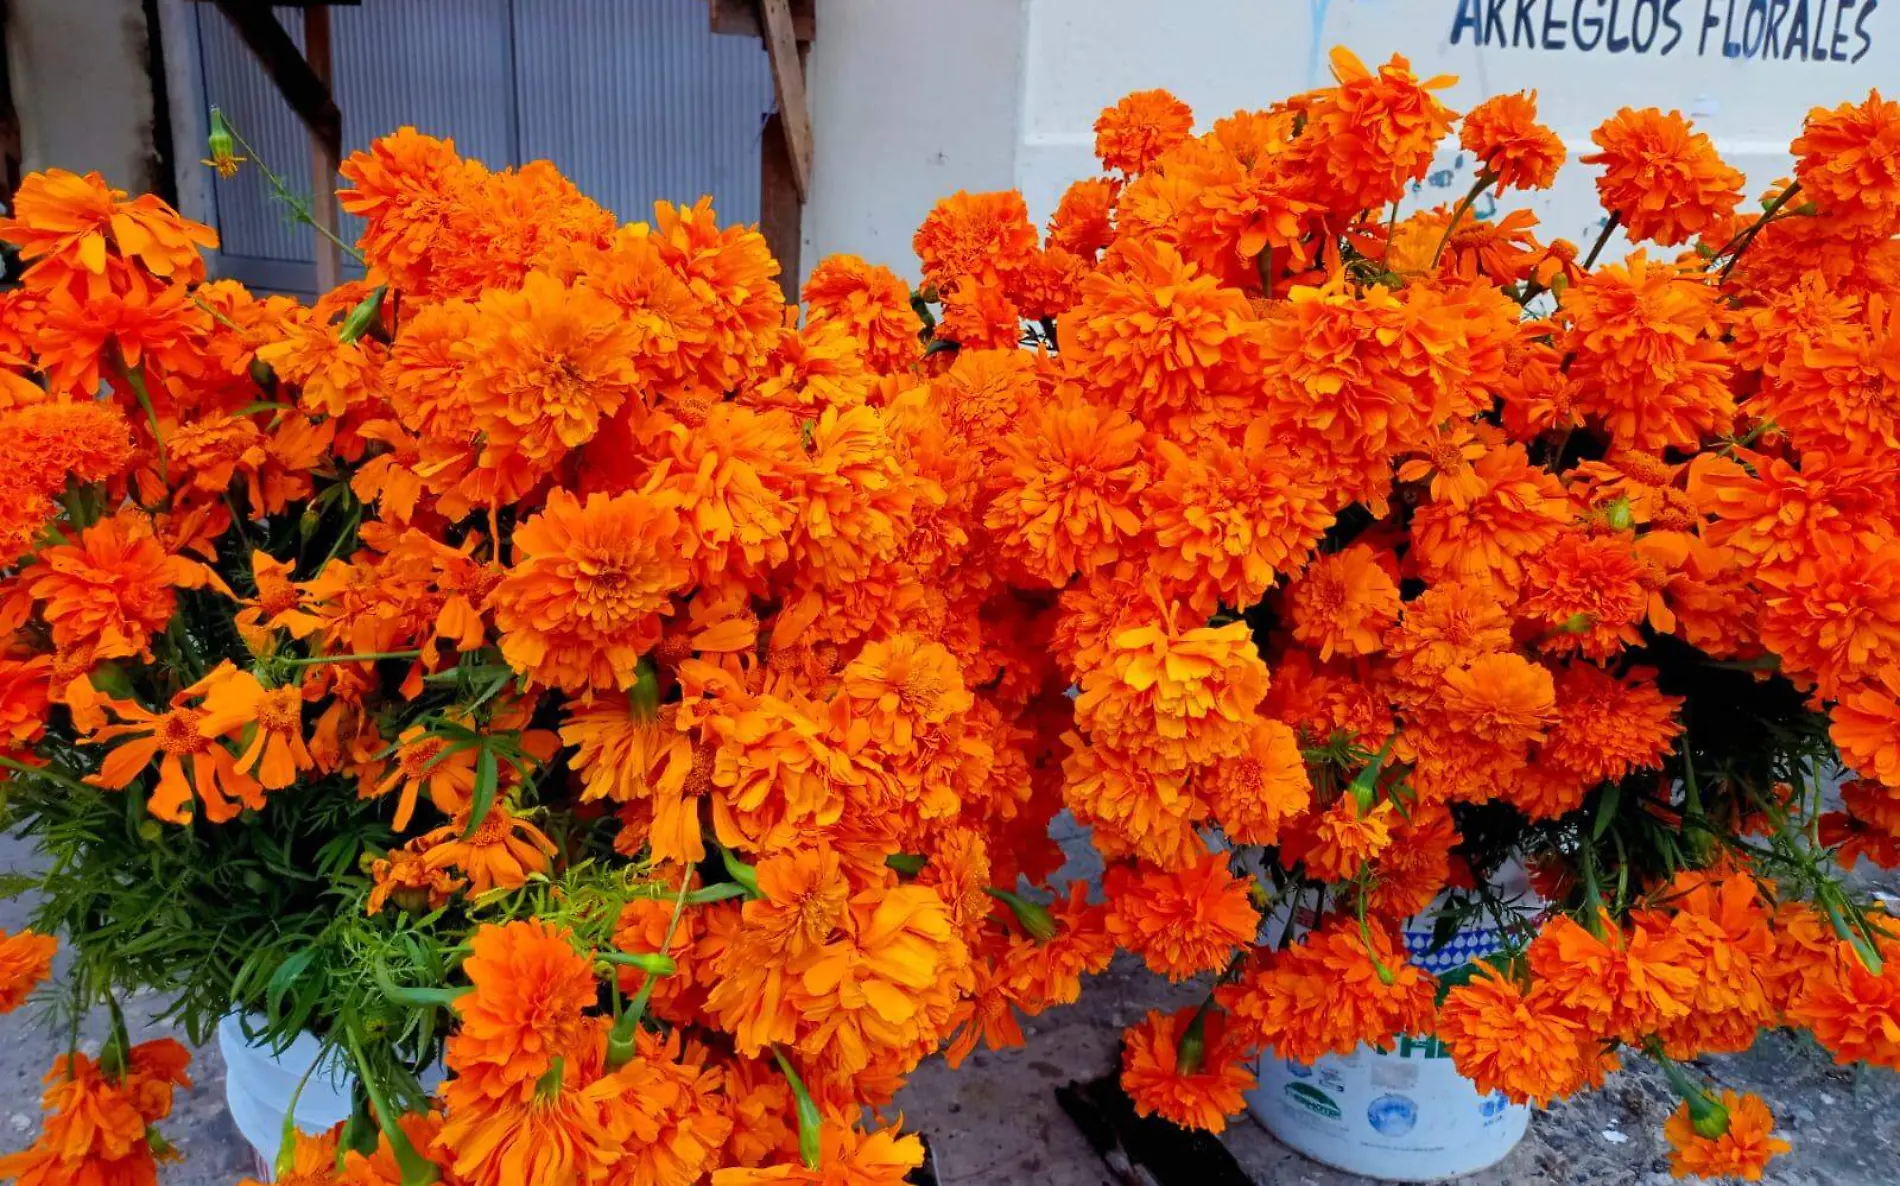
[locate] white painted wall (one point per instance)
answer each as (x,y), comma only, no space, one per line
(911,100)
(899,82)
(82,89)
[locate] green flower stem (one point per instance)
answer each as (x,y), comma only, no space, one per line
(416,1169)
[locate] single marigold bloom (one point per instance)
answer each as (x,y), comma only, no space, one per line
(313,1162)
(858,504)
(96,1125)
(43,443)
(114,588)
(1503,133)
(1043,972)
(409,189)
(1416,867)
(1186,1067)
(732,271)
(69,226)
(563,1130)
(872,303)
(1371,135)
(588,588)
(1664,180)
(1526,1045)
(1182,698)
(1155,334)
(1850,1009)
(907,687)
(402,876)
(193,766)
(982,236)
(980,315)
(235,703)
(1500,699)
(847,1156)
(1344,603)
(501,852)
(1838,616)
(1133,133)
(1149,813)
(735,483)
(26,960)
(1084,221)
(1066,489)
(1848,163)
(1608,725)
(1333,844)
(1183,920)
(1231,520)
(1742,1151)
(1255,792)
(1333,990)
(1648,363)
(1625,983)
(1865,724)
(777,769)
(524,1009)
(1447,626)
(1589,593)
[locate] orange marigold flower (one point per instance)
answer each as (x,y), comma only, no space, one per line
(1044,972)
(1503,133)
(1501,699)
(1865,724)
(1609,725)
(408,189)
(1447,626)
(68,225)
(982,236)
(777,769)
(1155,334)
(404,877)
(426,761)
(872,303)
(1589,593)
(45,442)
(525,1008)
(1851,1009)
(1838,615)
(735,481)
(26,959)
(1066,489)
(1664,180)
(1186,1067)
(1231,520)
(501,851)
(1648,363)
(1333,990)
(731,270)
(1344,603)
(1147,812)
(589,586)
(1134,132)
(1848,163)
(1742,1151)
(1335,843)
(1526,1045)
(1255,792)
(1084,221)
(180,741)
(1621,983)
(1372,134)
(313,1162)
(235,703)
(1183,920)
(96,1124)
(846,1157)
(803,895)
(1182,698)
(981,316)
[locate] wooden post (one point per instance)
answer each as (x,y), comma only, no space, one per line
(325,154)
(787,28)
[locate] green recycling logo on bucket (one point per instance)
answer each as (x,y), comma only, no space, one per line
(1313,1100)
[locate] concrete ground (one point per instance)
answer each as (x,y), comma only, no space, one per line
(995,1122)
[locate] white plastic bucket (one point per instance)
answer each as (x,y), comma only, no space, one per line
(1401,1115)
(259,1084)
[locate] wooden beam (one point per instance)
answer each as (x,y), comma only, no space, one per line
(325,155)
(307,94)
(781,214)
(788,78)
(740,18)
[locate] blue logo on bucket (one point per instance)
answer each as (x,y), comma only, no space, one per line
(1493,1105)
(1392,1115)
(1298,1070)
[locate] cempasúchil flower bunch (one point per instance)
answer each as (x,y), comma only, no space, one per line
(558,656)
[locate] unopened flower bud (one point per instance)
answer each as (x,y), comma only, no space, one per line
(1191,1052)
(1035,919)
(363,316)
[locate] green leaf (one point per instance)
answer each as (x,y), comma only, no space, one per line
(1460,975)
(715,893)
(487,778)
(285,977)
(1606,810)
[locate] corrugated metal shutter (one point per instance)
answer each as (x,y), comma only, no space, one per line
(635,100)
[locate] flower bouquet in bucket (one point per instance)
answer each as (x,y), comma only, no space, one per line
(558,657)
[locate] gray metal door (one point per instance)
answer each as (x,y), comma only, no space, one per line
(635,100)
